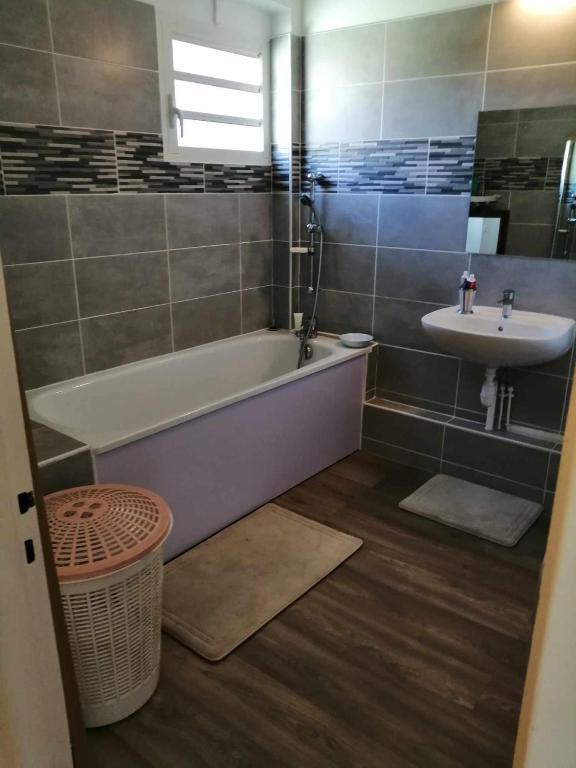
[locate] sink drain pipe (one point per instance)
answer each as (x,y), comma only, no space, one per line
(489,397)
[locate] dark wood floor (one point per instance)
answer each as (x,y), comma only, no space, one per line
(413,653)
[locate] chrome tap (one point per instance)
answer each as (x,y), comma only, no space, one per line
(507,302)
(308,329)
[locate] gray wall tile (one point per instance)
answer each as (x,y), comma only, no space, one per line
(343,114)
(439,44)
(348,268)
(431,276)
(27,87)
(543,138)
(491,481)
(533,240)
(520,39)
(344,57)
(538,400)
(256,264)
(117,31)
(349,218)
(281,216)
(256,217)
(533,87)
(404,431)
(100,95)
(398,322)
(541,286)
(553,470)
(533,206)
(49,354)
(103,225)
(402,456)
(204,219)
(344,312)
(25,22)
(280,306)
(496,457)
(40,294)
(48,444)
(256,309)
(126,337)
(197,272)
(33,229)
(67,473)
(424,222)
(281,264)
(117,283)
(204,320)
(417,374)
(443,106)
(496,140)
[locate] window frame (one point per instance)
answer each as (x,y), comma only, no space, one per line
(220,39)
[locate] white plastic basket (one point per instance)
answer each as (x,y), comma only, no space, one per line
(112,609)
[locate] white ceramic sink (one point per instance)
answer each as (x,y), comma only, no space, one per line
(525,338)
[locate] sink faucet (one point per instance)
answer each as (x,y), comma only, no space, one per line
(507,302)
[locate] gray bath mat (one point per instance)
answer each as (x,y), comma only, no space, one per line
(219,593)
(483,512)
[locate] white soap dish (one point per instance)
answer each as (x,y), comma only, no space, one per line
(356,340)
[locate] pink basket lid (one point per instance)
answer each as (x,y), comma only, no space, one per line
(97,529)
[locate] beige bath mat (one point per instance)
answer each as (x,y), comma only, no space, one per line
(481,511)
(225,589)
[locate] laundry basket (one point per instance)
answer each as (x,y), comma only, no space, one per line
(107,543)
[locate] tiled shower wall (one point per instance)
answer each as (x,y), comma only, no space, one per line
(111,254)
(390,116)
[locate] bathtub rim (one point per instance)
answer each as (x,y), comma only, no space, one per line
(343,355)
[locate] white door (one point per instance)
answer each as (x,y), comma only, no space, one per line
(33,723)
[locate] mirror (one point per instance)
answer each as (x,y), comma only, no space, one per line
(524,184)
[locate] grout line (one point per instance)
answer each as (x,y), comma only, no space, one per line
(486,58)
(375,268)
(457,387)
(567,391)
(168,266)
(53,52)
(53,57)
(240,282)
(516,439)
(75,279)
(135,309)
(116,161)
(545,489)
(383,93)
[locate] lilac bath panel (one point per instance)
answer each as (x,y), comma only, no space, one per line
(218,467)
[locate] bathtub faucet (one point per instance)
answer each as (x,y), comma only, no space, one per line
(309,329)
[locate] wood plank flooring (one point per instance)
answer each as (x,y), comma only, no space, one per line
(413,653)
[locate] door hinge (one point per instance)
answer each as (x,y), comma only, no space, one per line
(26,501)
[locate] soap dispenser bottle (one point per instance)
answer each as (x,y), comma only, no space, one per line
(462,292)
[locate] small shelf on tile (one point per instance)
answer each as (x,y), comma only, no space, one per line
(455,422)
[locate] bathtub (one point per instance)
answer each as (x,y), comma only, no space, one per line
(216,430)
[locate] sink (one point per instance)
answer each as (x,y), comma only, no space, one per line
(525,338)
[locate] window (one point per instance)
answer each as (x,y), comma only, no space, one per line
(216,102)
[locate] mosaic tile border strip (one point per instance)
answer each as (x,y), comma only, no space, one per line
(237,178)
(141,167)
(388,166)
(37,160)
(450,166)
(437,166)
(519,173)
(42,160)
